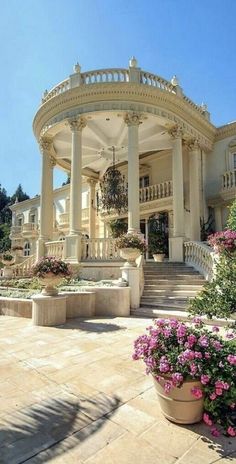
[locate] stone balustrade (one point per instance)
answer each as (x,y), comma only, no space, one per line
(24,269)
(229,180)
(99,249)
(55,248)
(155,192)
(117,75)
(29,229)
(201,257)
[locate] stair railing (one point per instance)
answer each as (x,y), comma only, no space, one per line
(201,257)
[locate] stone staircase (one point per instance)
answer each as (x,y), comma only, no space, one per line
(167,289)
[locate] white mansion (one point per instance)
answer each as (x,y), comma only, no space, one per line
(174,160)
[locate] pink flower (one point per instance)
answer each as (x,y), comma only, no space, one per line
(167,386)
(207,419)
(232,405)
(205,379)
(215,328)
(219,391)
(231,431)
(231,358)
(203,341)
(226,386)
(207,355)
(213,396)
(219,384)
(215,432)
(197,392)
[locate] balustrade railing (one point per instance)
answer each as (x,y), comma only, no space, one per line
(63,219)
(102,249)
(156,81)
(24,269)
(155,192)
(55,248)
(29,227)
(105,75)
(201,257)
(229,180)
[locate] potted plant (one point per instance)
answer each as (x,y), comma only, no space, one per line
(50,271)
(17,250)
(193,369)
(8,260)
(131,247)
(158,245)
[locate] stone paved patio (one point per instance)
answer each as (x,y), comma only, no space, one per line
(72,394)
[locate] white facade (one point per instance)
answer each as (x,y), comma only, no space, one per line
(175,161)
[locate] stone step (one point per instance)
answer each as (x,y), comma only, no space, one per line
(169,294)
(181,277)
(172,286)
(155,313)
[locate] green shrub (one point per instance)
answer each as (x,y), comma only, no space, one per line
(218,297)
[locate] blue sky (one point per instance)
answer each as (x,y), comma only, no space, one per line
(41,40)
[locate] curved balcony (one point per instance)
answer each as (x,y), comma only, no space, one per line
(29,230)
(228,186)
(15,233)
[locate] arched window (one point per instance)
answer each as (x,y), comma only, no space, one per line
(27,249)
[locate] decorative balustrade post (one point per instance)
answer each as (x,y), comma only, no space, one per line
(176,243)
(46,197)
(92,208)
(133,120)
(73,240)
(194,189)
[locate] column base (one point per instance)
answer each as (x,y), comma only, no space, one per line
(72,248)
(132,276)
(176,249)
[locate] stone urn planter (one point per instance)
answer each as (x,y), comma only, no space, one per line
(130,255)
(7,271)
(159,257)
(179,405)
(49,283)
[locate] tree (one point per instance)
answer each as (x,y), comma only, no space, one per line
(5,242)
(19,194)
(231,223)
(4,201)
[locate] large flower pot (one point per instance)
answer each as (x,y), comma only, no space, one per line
(130,255)
(7,271)
(179,405)
(49,283)
(159,257)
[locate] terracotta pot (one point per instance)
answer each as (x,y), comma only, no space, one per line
(159,257)
(130,255)
(49,283)
(180,406)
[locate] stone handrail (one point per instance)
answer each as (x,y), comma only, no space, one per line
(155,192)
(201,257)
(24,269)
(29,227)
(55,248)
(156,81)
(229,180)
(105,75)
(102,249)
(56,90)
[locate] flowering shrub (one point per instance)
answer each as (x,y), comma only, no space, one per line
(7,256)
(131,241)
(223,241)
(174,352)
(51,265)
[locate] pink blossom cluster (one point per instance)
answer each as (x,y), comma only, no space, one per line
(50,265)
(174,351)
(223,241)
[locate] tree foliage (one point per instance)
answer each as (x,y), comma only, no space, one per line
(231,223)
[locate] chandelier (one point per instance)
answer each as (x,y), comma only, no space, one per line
(113,192)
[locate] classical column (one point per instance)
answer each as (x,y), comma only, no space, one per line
(46,197)
(92,208)
(73,240)
(133,120)
(176,243)
(218,218)
(195,189)
(204,207)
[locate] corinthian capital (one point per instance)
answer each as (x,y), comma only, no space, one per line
(45,144)
(77,124)
(176,132)
(193,144)
(52,161)
(133,119)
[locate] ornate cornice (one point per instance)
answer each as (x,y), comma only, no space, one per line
(223,132)
(125,97)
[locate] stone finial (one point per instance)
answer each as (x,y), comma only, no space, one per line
(133,62)
(175,81)
(203,106)
(77,68)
